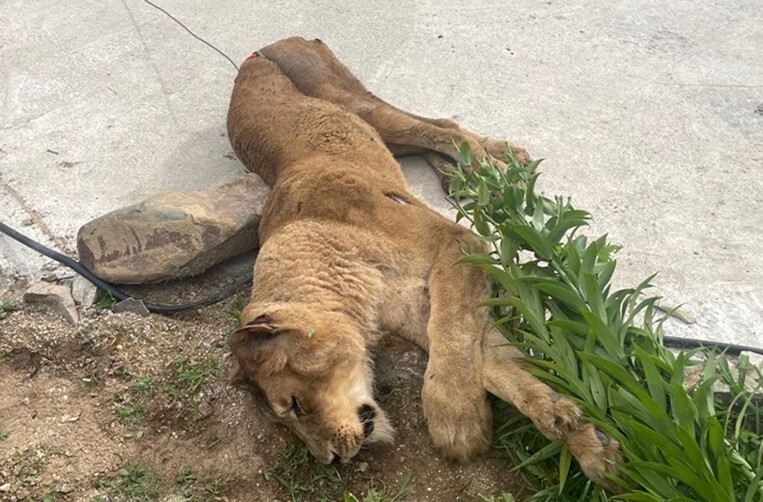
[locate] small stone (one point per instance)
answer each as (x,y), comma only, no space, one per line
(5,488)
(55,296)
(131,305)
(84,292)
(755,358)
(362,466)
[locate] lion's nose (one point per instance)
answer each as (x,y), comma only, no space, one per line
(366,413)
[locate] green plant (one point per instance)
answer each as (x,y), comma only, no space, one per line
(142,386)
(603,348)
(6,307)
(31,463)
(191,491)
(128,409)
(506,497)
(190,377)
(121,373)
(212,442)
(235,307)
(304,479)
(186,476)
(107,302)
(383,495)
(134,483)
(4,435)
(83,336)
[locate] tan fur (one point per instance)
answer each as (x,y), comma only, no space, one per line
(347,252)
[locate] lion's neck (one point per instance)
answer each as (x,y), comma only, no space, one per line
(323,271)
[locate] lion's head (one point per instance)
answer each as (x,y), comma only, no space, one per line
(314,373)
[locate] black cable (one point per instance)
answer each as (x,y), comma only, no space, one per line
(678,342)
(194,35)
(117,293)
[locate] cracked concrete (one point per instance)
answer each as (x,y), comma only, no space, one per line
(646,112)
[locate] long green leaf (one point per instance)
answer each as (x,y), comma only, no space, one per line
(654,380)
(534,240)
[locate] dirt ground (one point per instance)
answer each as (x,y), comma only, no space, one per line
(125,407)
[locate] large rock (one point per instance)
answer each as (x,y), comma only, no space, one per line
(174,234)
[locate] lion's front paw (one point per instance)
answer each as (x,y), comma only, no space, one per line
(459,422)
(596,453)
(556,417)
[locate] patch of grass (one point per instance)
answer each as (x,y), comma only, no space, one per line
(191,491)
(303,479)
(6,307)
(506,497)
(235,307)
(4,435)
(374,494)
(107,302)
(190,377)
(136,483)
(128,409)
(603,348)
(185,385)
(30,464)
(142,386)
(186,476)
(122,374)
(212,442)
(131,406)
(83,336)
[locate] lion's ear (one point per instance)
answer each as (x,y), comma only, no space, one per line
(252,344)
(261,324)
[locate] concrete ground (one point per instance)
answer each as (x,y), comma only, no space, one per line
(649,113)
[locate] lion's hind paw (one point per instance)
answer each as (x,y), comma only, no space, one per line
(597,454)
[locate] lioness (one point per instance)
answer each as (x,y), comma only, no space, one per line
(347,253)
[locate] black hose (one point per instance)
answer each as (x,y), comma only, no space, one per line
(117,293)
(678,342)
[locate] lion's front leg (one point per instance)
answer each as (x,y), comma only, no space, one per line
(454,399)
(555,416)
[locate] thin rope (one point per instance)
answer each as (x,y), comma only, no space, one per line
(194,35)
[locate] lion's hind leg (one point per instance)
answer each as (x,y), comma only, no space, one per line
(316,71)
(555,416)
